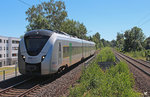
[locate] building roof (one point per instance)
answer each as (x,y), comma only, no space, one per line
(9,37)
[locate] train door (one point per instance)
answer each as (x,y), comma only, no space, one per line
(59,53)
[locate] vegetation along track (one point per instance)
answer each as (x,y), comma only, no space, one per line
(31,87)
(143,66)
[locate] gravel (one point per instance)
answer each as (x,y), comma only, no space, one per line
(142,81)
(55,86)
(60,86)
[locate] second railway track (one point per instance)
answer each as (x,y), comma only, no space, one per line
(143,66)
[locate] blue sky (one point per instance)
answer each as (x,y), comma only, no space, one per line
(104,16)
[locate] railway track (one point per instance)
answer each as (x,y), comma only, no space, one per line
(23,88)
(141,65)
(11,91)
(30,87)
(146,62)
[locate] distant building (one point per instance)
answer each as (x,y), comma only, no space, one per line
(8,50)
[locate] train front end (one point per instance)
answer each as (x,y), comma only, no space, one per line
(34,55)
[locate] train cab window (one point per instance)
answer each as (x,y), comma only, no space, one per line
(34,44)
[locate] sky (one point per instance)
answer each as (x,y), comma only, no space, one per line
(104,16)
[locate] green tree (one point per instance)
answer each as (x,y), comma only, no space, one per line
(96,39)
(82,31)
(120,41)
(113,43)
(90,38)
(133,39)
(74,28)
(147,43)
(47,15)
(105,43)
(21,36)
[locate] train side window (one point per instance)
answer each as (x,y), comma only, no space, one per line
(0,64)
(65,52)
(59,46)
(59,50)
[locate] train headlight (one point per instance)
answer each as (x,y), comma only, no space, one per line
(43,57)
(23,57)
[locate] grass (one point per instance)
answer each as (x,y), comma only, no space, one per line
(114,82)
(106,55)
(136,54)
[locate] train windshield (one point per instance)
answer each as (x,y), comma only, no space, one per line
(34,44)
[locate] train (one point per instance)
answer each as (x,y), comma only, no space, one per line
(45,52)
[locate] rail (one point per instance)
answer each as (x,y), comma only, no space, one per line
(9,89)
(141,66)
(31,86)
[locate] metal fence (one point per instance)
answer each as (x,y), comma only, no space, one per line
(9,73)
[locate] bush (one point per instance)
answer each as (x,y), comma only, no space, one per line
(137,54)
(106,55)
(114,82)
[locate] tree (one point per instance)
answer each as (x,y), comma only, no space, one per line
(105,43)
(82,31)
(90,38)
(113,43)
(21,36)
(48,15)
(74,28)
(120,41)
(127,42)
(147,43)
(133,39)
(96,39)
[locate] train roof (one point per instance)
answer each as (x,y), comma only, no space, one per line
(50,32)
(39,32)
(71,38)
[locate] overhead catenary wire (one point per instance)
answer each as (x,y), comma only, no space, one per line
(148,20)
(40,1)
(143,18)
(25,3)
